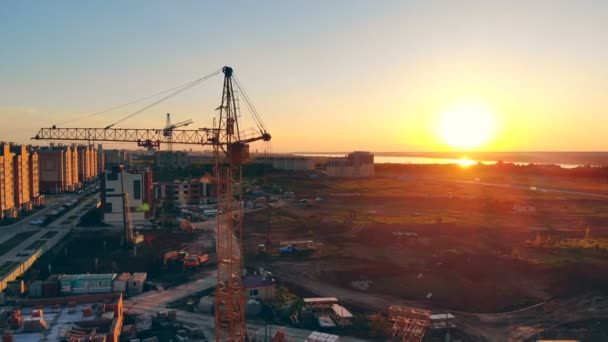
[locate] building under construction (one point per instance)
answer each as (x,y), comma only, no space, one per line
(89,317)
(358,164)
(137,188)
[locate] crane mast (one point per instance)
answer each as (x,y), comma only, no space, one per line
(229,155)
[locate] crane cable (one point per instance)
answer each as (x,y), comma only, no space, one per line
(179,90)
(125,104)
(249,103)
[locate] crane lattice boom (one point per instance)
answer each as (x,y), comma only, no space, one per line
(141,136)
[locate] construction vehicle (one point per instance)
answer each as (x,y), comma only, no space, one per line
(196,261)
(230,152)
(174,256)
(284,248)
(184,259)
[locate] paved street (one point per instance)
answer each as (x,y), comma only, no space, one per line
(20,258)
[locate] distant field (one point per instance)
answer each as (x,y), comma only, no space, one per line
(467,245)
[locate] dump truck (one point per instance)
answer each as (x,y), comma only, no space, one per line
(196,261)
(174,256)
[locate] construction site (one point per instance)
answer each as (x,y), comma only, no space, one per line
(295,249)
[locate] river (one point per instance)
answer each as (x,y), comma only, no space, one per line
(422,160)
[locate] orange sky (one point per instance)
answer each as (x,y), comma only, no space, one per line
(338,76)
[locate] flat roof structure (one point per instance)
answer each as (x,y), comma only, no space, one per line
(321,300)
(99,315)
(341,311)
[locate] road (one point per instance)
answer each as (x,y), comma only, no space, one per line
(22,225)
(529,188)
(22,256)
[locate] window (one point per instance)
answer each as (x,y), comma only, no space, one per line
(137,189)
(112,176)
(134,284)
(107,208)
(253,293)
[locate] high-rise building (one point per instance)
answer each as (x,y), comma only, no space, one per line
(35,179)
(87,163)
(74,174)
(58,173)
(7,188)
(95,161)
(21,180)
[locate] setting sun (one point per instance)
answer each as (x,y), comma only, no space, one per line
(466,126)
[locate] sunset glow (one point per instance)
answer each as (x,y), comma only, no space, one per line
(467,126)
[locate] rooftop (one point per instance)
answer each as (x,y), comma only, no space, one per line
(139,276)
(63,314)
(252,281)
(100,276)
(321,300)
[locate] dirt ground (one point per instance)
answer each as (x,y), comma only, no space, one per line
(436,243)
(103,252)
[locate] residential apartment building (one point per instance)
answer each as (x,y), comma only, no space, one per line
(21,179)
(58,166)
(7,188)
(35,195)
(74,165)
(138,187)
(355,165)
(87,160)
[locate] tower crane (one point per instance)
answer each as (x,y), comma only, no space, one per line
(169,127)
(230,152)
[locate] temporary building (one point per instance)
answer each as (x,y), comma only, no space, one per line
(135,285)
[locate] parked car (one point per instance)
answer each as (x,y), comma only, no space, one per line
(36,222)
